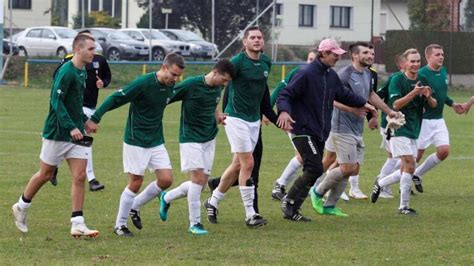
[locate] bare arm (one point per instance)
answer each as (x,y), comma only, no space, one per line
(402,102)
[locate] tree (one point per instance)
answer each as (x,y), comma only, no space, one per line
(196,15)
(96,19)
(429,15)
(469,15)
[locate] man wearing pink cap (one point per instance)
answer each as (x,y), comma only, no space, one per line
(305,108)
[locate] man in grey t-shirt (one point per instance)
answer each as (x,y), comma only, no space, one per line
(345,140)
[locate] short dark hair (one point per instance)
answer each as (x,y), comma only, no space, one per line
(249,29)
(84,31)
(354,47)
(225,66)
(80,39)
(174,59)
(429,49)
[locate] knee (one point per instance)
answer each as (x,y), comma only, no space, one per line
(247,164)
(442,153)
(165,182)
(348,169)
(135,184)
(80,176)
(313,169)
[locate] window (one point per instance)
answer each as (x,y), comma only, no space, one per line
(306,18)
(94,5)
(341,16)
(20,4)
(34,33)
(278,14)
(47,34)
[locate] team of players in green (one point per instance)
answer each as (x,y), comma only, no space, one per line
(245,76)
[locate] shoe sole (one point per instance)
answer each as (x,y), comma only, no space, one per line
(97,189)
(358,197)
(92,235)
(15,210)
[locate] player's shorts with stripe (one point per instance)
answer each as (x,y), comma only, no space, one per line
(53,151)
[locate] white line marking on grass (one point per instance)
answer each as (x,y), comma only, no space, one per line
(14,131)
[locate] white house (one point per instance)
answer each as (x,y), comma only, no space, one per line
(27,13)
(302,22)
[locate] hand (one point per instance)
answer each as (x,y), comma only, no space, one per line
(418,90)
(393,113)
(91,126)
(265,121)
(99,83)
(220,118)
(426,91)
(458,108)
(467,105)
(284,121)
(373,124)
(76,134)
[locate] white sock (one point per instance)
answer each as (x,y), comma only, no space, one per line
(178,192)
(248,194)
(354,181)
(427,165)
(390,179)
(23,205)
(149,193)
(126,202)
(290,172)
(216,197)
(77,220)
(405,189)
(90,168)
(194,203)
(388,167)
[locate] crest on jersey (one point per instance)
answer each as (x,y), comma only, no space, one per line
(95,65)
(265,73)
(447,81)
(218,99)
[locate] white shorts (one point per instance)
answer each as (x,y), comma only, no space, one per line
(137,159)
(403,146)
(385,143)
(349,148)
(88,111)
(197,156)
(242,135)
(53,151)
(328,145)
(433,131)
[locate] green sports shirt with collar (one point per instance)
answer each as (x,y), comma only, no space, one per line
(65,108)
(282,85)
(148,99)
(198,106)
(439,84)
(247,88)
(401,85)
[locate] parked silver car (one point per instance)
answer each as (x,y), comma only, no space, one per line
(199,47)
(118,45)
(161,45)
(47,41)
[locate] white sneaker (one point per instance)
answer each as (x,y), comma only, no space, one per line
(20,218)
(356,193)
(386,193)
(80,229)
(344,196)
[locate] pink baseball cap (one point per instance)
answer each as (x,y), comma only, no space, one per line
(330,45)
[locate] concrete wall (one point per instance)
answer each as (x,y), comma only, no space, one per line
(24,18)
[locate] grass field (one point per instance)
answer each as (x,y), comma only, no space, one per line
(442,233)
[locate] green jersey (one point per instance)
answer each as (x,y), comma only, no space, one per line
(382,92)
(65,108)
(282,85)
(400,86)
(199,102)
(247,88)
(439,84)
(148,99)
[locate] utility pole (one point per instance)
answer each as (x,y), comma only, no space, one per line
(150,17)
(83,14)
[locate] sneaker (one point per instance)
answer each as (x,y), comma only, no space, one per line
(163,207)
(136,220)
(255,221)
(297,217)
(278,192)
(375,192)
(197,229)
(407,211)
(356,193)
(80,229)
(54,178)
(334,211)
(344,196)
(20,218)
(316,201)
(211,212)
(94,185)
(417,181)
(123,231)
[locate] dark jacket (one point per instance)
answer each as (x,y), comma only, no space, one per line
(309,97)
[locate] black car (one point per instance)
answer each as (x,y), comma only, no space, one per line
(6,47)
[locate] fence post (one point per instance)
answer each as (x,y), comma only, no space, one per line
(283,70)
(26,74)
(144,69)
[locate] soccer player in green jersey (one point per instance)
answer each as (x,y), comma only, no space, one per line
(63,128)
(296,163)
(199,98)
(409,93)
(143,145)
(433,128)
(243,124)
